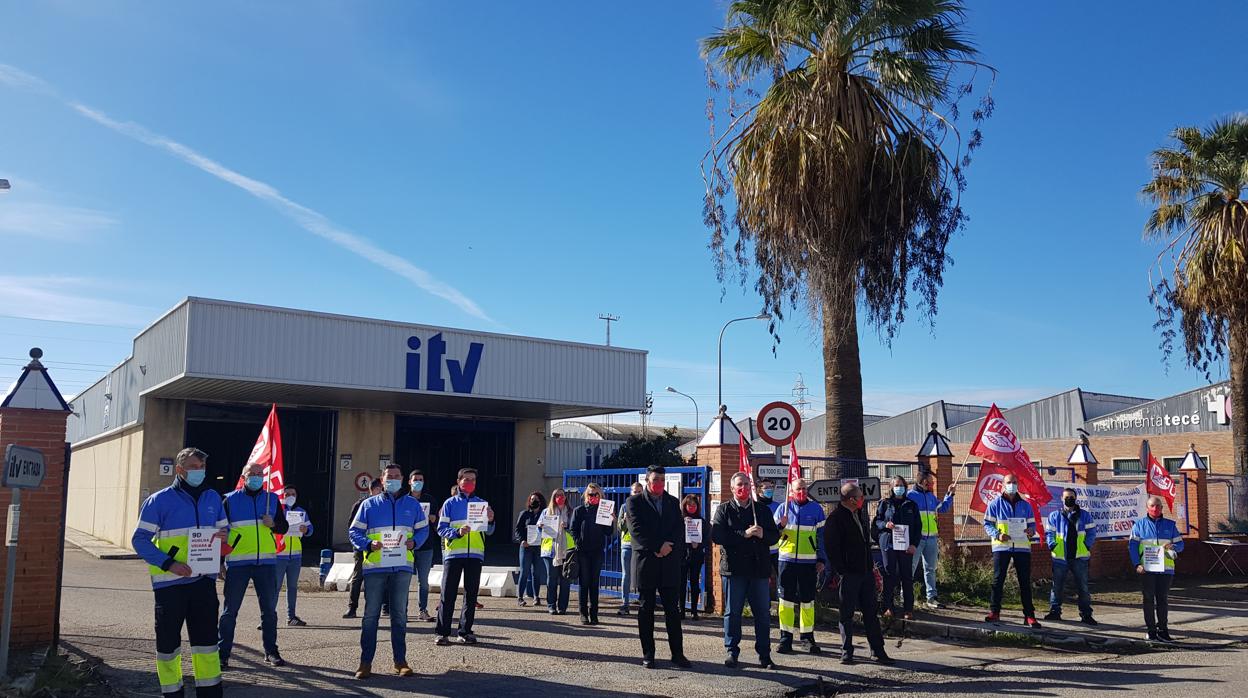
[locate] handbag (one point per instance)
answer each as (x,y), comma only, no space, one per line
(571,566)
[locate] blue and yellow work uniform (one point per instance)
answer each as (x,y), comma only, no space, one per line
(801,547)
(390,521)
(385,515)
(1146,533)
(928,549)
(252,559)
(462,557)
(1016,549)
(161,538)
(1059,537)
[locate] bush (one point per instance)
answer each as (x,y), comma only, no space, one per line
(1233,525)
(968,581)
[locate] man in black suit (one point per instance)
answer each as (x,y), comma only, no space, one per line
(658,532)
(849,553)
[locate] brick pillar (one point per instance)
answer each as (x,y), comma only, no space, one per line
(41,535)
(724,460)
(1197,491)
(942,466)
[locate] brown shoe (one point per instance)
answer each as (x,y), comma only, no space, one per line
(403,669)
(365,671)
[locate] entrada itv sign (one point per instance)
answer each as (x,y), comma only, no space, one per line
(462,374)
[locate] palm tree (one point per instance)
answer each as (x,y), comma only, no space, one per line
(1201,215)
(844,176)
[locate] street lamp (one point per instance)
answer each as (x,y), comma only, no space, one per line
(760,316)
(4,185)
(697,416)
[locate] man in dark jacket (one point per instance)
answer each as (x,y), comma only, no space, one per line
(745,531)
(658,532)
(849,553)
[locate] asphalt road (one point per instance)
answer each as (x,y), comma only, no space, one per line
(107,614)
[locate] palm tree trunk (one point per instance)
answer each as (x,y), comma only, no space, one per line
(842,379)
(1239,414)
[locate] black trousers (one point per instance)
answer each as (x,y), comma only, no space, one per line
(590,580)
(455,568)
(1022,568)
(357,581)
(858,594)
(693,575)
(1157,601)
(671,616)
(194,605)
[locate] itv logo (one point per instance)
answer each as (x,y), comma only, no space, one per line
(463,374)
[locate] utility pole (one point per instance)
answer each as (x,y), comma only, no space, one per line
(610,319)
(799,397)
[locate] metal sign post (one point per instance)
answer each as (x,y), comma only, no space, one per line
(23,467)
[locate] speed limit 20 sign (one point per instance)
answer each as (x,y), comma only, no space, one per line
(779,423)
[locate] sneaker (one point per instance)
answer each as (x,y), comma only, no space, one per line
(468,639)
(1088,620)
(364,671)
(402,669)
(934,605)
(1165,636)
(847,659)
(424,615)
(553,612)
(274,659)
(350,613)
(523,603)
(766,663)
(992,617)
(1053,615)
(1031,622)
(296,621)
(1150,636)
(730,662)
(584,620)
(442,641)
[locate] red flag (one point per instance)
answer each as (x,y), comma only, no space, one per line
(997,443)
(795,468)
(988,486)
(1157,480)
(746,467)
(268,452)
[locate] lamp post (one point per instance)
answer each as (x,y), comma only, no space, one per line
(697,416)
(720,395)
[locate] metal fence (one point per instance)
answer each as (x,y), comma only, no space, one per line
(616,484)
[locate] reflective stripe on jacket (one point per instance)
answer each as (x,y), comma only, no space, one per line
(165,521)
(252,542)
(929,507)
(996,522)
(454,516)
(1149,532)
(801,539)
(388,514)
(294,543)
(1057,535)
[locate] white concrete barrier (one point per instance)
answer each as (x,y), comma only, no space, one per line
(497,581)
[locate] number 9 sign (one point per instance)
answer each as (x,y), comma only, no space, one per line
(779,423)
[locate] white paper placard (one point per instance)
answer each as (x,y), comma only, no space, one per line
(1016,529)
(672,484)
(716,483)
(693,529)
(477,518)
(901,537)
(393,548)
(204,553)
(606,508)
(533,535)
(1154,558)
(295,519)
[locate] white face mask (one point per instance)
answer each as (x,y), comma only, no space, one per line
(1011,488)
(290,501)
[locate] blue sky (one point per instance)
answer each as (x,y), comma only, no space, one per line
(524,167)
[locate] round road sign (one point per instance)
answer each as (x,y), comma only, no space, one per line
(779,423)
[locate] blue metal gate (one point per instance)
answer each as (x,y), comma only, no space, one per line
(617,484)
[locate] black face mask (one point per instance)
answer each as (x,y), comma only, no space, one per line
(534,504)
(1069,502)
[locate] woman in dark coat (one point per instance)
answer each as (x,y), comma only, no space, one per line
(695,554)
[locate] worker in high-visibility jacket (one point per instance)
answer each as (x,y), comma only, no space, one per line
(1154,547)
(767,495)
(290,557)
(1070,533)
(1010,522)
(387,528)
(923,493)
(802,558)
(167,521)
(463,554)
(255,517)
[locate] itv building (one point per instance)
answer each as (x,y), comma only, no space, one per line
(352,395)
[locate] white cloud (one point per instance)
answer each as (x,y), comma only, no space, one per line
(66,299)
(51,221)
(307,218)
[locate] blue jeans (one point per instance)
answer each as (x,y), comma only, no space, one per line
(1079,570)
(287,570)
(925,552)
(264,579)
(422,564)
(557,587)
(626,585)
(755,591)
(391,587)
(532,572)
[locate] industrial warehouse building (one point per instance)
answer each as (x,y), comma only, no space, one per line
(1049,429)
(352,394)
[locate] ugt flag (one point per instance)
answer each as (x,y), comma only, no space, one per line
(1156,478)
(795,468)
(997,443)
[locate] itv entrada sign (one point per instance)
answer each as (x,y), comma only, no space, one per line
(462,374)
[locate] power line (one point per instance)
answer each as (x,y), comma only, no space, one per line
(57,363)
(70,322)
